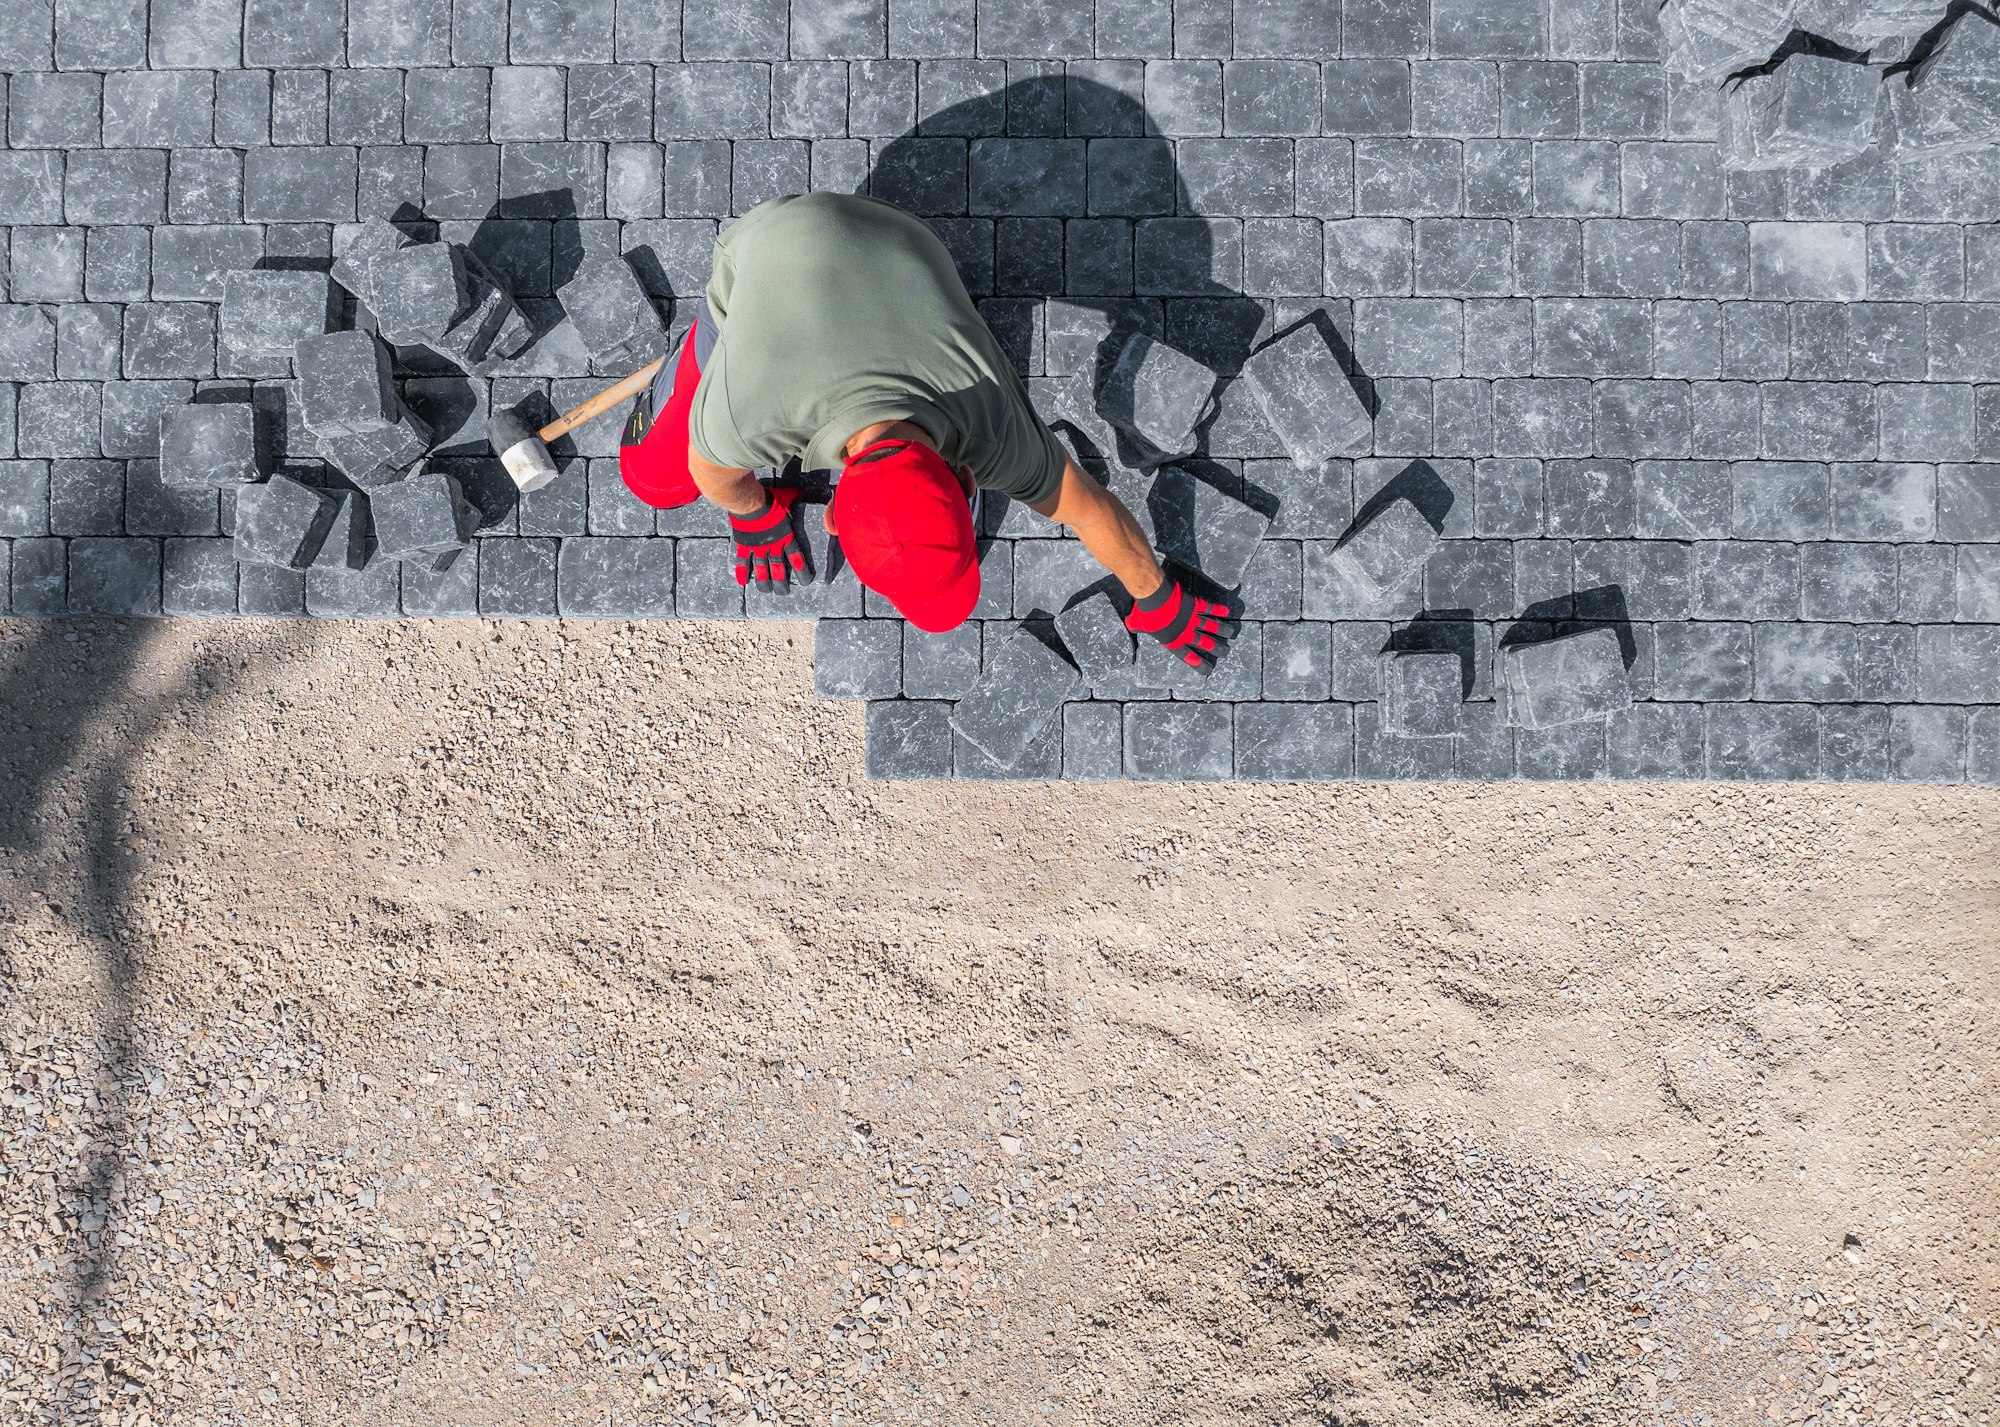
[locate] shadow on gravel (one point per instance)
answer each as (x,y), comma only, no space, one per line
(68,683)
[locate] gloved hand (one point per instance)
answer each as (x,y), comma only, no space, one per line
(1196,629)
(768,550)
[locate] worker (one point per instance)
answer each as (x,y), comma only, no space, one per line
(838,332)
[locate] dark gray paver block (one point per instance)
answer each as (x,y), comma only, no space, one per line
(613,578)
(210,444)
(1564,680)
(615,318)
(1377,570)
(1097,639)
(1176,742)
(517,578)
(112,575)
(1982,762)
(1927,745)
(417,292)
(1958,664)
(1806,663)
(1763,742)
(908,739)
(1380,754)
(1203,527)
(1571,753)
(345,387)
(1591,498)
(282,522)
(1298,661)
(1847,580)
(1809,112)
(1093,738)
(1854,743)
(1661,742)
(941,666)
(1157,394)
(1309,399)
(266,314)
(1968,502)
(1158,668)
(705,580)
(1978,584)
(346,546)
(1746,579)
(857,658)
(39,576)
(1016,697)
(423,514)
(1421,693)
(1295,742)
(198,576)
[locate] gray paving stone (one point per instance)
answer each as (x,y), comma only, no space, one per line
(1564,680)
(1762,742)
(282,522)
(114,576)
(270,591)
(908,739)
(379,457)
(24,498)
(1927,745)
(1298,661)
(1421,694)
(615,578)
(59,419)
(198,576)
(210,445)
(1203,528)
(1968,502)
(941,666)
(1272,588)
(1780,500)
(1746,579)
(1093,740)
(1594,498)
(705,580)
(423,513)
(1157,395)
(1099,643)
(86,497)
(857,658)
(347,543)
(1884,502)
(1016,697)
(1849,581)
(1978,587)
(1854,743)
(27,343)
(1806,663)
(1179,742)
(1375,571)
(1636,579)
(169,339)
(1593,337)
(39,576)
(1656,742)
(1380,755)
(1294,742)
(1926,589)
(1958,664)
(1983,747)
(345,387)
(1307,397)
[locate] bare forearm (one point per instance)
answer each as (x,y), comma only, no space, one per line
(736,491)
(1108,530)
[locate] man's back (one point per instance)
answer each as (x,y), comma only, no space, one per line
(835,312)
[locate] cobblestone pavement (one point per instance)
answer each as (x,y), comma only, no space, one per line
(1737,418)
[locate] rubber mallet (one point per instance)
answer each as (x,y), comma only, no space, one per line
(524,451)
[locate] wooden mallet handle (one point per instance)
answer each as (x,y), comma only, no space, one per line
(602,402)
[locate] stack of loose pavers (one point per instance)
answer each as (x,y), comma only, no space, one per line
(1069,692)
(373,502)
(1815,83)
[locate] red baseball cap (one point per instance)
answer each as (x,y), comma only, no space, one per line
(906,527)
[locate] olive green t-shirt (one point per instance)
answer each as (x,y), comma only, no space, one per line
(834,312)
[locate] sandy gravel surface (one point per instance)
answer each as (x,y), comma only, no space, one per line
(482,1023)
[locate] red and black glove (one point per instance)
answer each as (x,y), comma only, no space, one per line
(1196,629)
(769,552)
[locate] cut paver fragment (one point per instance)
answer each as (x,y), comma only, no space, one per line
(619,325)
(266,314)
(347,539)
(345,386)
(1309,399)
(1157,395)
(423,514)
(212,444)
(1567,680)
(1950,103)
(1421,695)
(282,522)
(380,456)
(1809,111)
(1014,701)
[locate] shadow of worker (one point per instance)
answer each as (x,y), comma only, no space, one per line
(1075,223)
